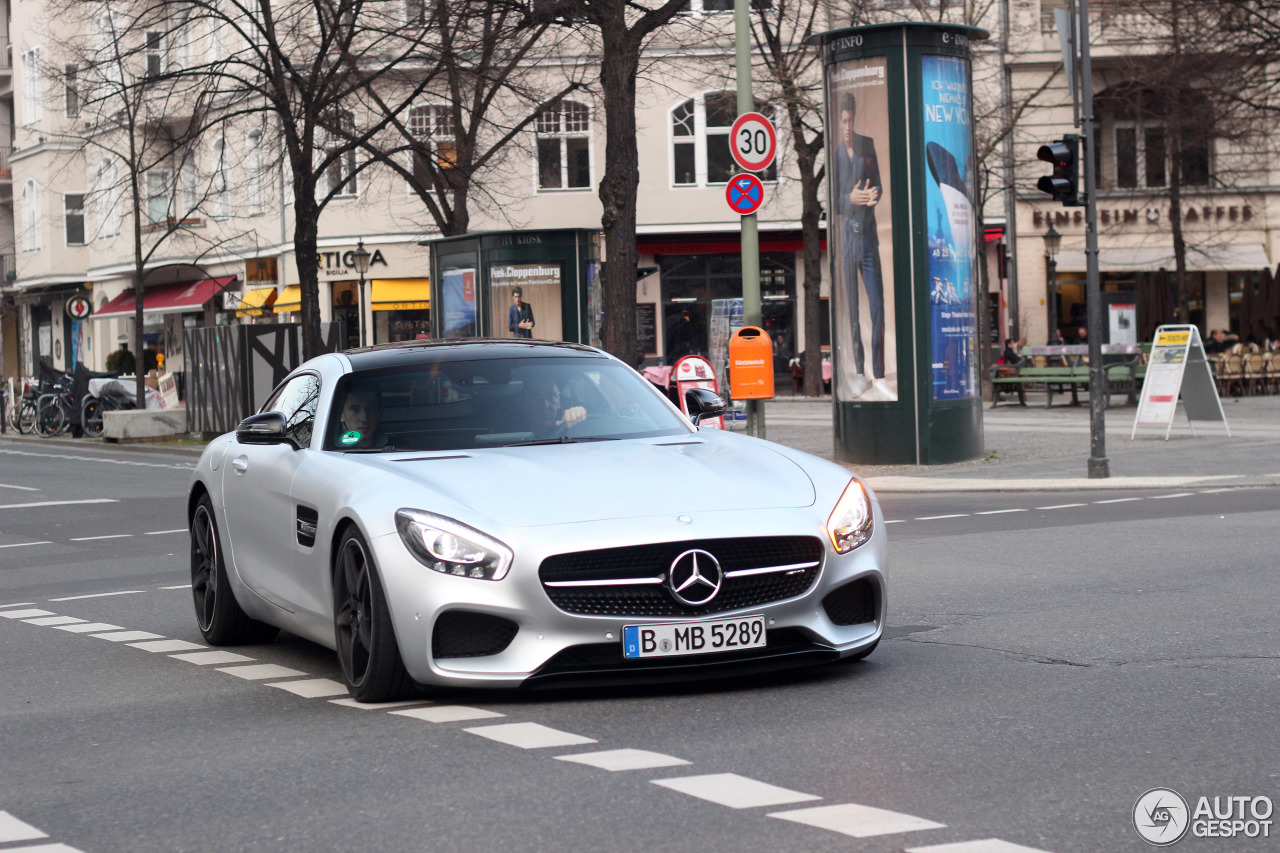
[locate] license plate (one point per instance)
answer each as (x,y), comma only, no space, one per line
(693,638)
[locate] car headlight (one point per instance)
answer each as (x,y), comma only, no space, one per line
(451,547)
(851,521)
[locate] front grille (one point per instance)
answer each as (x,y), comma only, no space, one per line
(852,604)
(640,562)
(465,634)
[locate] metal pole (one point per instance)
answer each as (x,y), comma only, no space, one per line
(364,329)
(1098,464)
(750,231)
(1053,299)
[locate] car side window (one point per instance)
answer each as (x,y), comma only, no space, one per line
(297,401)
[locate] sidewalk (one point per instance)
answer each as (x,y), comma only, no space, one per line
(1034,448)
(1026,449)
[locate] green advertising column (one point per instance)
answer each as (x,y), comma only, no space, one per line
(903,243)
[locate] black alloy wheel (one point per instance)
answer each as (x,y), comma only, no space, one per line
(218,614)
(367,650)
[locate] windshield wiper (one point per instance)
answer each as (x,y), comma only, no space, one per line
(387,449)
(564,439)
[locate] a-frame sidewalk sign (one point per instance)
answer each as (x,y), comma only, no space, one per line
(1178,367)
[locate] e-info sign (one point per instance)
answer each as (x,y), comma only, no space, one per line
(1178,367)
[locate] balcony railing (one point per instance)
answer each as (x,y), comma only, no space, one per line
(6,173)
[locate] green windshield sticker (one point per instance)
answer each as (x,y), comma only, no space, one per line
(350,437)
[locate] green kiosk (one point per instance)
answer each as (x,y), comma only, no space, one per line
(903,243)
(517,284)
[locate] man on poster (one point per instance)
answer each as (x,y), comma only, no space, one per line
(520,316)
(857,182)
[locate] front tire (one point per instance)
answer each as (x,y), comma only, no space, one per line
(51,417)
(367,650)
(91,417)
(218,614)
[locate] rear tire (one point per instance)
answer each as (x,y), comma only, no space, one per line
(367,650)
(51,418)
(91,417)
(218,614)
(24,419)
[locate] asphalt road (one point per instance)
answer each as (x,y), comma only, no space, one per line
(1049,658)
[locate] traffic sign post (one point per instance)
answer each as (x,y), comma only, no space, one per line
(744,194)
(753,142)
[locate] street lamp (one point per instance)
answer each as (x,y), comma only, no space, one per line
(1052,242)
(360,257)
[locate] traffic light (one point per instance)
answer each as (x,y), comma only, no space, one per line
(1063,183)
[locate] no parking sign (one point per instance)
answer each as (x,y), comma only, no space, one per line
(745,194)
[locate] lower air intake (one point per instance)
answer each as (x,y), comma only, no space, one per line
(852,604)
(465,634)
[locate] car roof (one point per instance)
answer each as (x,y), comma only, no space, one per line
(404,353)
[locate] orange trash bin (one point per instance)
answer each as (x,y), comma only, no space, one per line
(751,364)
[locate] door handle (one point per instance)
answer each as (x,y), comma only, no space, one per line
(241,464)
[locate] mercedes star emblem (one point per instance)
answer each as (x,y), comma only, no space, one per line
(694,577)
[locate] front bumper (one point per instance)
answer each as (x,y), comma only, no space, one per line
(551,646)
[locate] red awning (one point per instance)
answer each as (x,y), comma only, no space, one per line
(167,298)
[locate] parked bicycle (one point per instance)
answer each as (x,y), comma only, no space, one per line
(111,396)
(53,410)
(22,411)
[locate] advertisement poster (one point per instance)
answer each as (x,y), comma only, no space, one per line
(458,298)
(1123,323)
(953,311)
(860,239)
(525,301)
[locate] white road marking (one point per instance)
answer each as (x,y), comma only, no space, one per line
(89,628)
(1118,501)
(55,620)
(896,521)
(858,821)
(261,671)
(26,614)
(180,467)
(210,658)
(986,845)
(16,604)
(99,595)
(59,503)
(734,791)
(12,829)
(1061,506)
(19,488)
(937,517)
(312,688)
(108,536)
(1178,495)
(48,848)
(1214,491)
(166,646)
(998,511)
(530,735)
(377,706)
(447,714)
(614,760)
(25,544)
(129,636)
(163,532)
(179,586)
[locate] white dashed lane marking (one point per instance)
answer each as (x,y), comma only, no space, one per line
(986,845)
(12,829)
(89,628)
(16,604)
(734,791)
(211,658)
(19,488)
(100,595)
(530,735)
(260,672)
(447,713)
(49,621)
(1118,501)
(939,517)
(163,532)
(178,586)
(1178,495)
(377,706)
(312,688)
(26,544)
(59,503)
(129,636)
(26,614)
(614,760)
(107,536)
(998,511)
(167,646)
(1061,506)
(858,821)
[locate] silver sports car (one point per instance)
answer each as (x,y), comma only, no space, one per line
(500,513)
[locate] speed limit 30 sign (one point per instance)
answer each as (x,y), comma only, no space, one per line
(753,142)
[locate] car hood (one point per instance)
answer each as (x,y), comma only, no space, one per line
(592,481)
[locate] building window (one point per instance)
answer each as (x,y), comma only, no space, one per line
(109,73)
(435,150)
(700,154)
(563,133)
(73,206)
(32,82)
(106,199)
(71,89)
(158,195)
(415,11)
(31,217)
(155,54)
(256,174)
(340,174)
(1139,148)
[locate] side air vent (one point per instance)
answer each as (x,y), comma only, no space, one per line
(307,520)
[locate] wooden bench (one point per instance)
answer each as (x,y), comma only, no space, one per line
(1058,380)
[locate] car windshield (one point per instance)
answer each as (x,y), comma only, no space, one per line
(461,405)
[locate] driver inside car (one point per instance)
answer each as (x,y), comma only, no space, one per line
(361,416)
(543,413)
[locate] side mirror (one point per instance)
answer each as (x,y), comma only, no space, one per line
(702,403)
(263,428)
